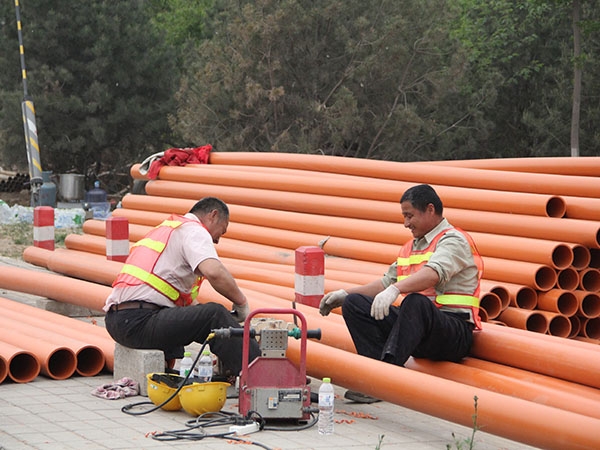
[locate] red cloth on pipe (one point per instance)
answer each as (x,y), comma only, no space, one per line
(180,157)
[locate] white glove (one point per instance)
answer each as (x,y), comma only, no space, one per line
(240,312)
(380,307)
(332,300)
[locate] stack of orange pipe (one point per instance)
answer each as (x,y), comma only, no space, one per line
(540,243)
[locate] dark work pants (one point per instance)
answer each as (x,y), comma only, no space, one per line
(416,327)
(170,329)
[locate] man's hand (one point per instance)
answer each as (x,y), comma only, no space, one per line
(382,302)
(240,312)
(332,300)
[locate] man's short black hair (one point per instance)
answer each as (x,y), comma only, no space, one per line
(422,195)
(208,204)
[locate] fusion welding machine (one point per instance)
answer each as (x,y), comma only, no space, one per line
(271,385)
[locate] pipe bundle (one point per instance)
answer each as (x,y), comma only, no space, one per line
(538,233)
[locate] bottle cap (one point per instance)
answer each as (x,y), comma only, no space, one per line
(326,380)
(187,354)
(206,351)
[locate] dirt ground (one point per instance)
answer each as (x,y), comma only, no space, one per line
(15,238)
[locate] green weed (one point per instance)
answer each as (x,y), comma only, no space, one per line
(467,443)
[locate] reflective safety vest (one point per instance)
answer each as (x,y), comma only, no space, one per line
(410,261)
(139,267)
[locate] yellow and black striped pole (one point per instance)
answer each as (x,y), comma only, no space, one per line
(29,125)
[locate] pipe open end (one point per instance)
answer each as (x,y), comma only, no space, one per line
(567,303)
(503,294)
(590,328)
(526,298)
(582,257)
(61,364)
(537,323)
(567,279)
(23,367)
(556,207)
(559,326)
(3,369)
(492,305)
(90,361)
(575,326)
(589,305)
(589,280)
(562,256)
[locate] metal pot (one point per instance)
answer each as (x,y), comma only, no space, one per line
(71,187)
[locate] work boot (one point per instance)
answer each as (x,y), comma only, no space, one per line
(359,397)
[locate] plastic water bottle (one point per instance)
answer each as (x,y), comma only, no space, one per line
(205,367)
(185,366)
(326,396)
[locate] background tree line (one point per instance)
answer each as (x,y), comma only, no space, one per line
(114,81)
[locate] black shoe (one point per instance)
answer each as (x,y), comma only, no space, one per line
(358,397)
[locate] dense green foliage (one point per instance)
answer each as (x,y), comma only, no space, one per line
(101,79)
(114,81)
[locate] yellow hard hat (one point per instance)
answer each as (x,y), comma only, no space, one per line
(161,386)
(200,398)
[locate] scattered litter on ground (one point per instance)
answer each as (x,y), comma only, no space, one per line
(63,217)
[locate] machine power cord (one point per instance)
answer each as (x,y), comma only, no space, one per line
(127,409)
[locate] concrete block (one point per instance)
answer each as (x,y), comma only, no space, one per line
(136,364)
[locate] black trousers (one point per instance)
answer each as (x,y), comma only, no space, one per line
(416,327)
(170,329)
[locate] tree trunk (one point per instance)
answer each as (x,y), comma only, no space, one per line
(576,79)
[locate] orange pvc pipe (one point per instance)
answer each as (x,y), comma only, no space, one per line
(540,251)
(569,362)
(373,188)
(3,368)
(590,327)
(291,201)
(498,289)
(582,256)
(537,276)
(573,230)
(56,287)
(546,339)
(335,246)
(420,173)
(313,313)
(96,335)
(22,366)
(558,165)
(582,208)
(567,279)
(590,395)
(559,301)
(575,326)
(520,296)
(56,361)
(589,279)
(535,424)
(558,324)
(87,243)
(88,359)
(492,305)
(524,319)
(76,264)
(588,303)
(532,387)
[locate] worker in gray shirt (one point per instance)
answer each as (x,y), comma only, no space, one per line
(427,304)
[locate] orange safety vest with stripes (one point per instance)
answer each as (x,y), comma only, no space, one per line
(139,267)
(410,261)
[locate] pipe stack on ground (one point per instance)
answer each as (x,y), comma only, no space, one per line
(538,233)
